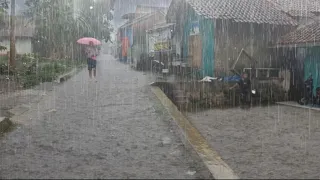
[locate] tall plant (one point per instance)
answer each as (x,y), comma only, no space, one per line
(57,29)
(3,15)
(98,16)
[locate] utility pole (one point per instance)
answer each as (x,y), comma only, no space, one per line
(12,35)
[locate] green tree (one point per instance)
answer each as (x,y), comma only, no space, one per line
(3,15)
(57,29)
(98,16)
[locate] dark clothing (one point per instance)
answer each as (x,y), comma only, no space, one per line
(245,85)
(91,64)
(245,88)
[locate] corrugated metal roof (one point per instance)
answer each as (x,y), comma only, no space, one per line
(252,11)
(307,34)
(299,7)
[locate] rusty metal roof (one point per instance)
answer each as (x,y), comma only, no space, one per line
(299,7)
(306,34)
(252,11)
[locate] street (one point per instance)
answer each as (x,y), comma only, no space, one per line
(112,128)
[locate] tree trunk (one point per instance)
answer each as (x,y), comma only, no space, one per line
(12,35)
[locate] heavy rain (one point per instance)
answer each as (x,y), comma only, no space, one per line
(159,89)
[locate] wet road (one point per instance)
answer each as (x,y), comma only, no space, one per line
(113,128)
(276,142)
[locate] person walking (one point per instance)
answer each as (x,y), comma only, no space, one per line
(92,53)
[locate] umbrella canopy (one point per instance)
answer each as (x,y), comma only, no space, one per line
(88,40)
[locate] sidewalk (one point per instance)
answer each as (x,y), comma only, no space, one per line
(113,128)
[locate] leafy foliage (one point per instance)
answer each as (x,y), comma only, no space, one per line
(3,15)
(2,48)
(97,17)
(57,29)
(33,69)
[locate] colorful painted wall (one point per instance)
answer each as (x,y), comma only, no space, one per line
(126,37)
(193,25)
(312,66)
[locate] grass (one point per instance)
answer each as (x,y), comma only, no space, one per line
(31,70)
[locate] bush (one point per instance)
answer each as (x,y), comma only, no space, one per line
(3,65)
(34,70)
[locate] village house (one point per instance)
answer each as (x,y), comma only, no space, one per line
(298,51)
(124,39)
(23,34)
(160,46)
(303,11)
(214,35)
(132,35)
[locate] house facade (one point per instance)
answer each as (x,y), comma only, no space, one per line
(125,41)
(23,34)
(132,35)
(159,38)
(211,34)
(298,51)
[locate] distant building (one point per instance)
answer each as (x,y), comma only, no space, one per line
(132,35)
(24,33)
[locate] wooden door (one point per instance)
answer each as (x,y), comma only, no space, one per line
(195,51)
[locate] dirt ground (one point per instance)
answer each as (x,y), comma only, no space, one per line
(264,142)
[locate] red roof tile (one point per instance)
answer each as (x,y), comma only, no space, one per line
(307,34)
(252,11)
(299,7)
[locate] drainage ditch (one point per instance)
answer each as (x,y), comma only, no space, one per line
(199,96)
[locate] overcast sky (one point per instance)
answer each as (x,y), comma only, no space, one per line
(121,7)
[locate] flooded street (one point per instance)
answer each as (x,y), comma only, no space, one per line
(152,89)
(274,142)
(113,128)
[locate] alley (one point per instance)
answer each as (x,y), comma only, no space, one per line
(112,128)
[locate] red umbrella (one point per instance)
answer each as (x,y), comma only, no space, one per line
(88,40)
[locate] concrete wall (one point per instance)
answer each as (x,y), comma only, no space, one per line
(231,37)
(23,45)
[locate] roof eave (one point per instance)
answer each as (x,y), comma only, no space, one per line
(296,45)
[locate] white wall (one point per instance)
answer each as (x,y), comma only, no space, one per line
(23,46)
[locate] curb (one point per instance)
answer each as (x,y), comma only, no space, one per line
(217,167)
(5,124)
(65,77)
(298,106)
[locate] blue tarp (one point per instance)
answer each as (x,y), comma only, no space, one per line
(234,78)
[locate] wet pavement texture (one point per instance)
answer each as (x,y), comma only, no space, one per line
(113,128)
(265,142)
